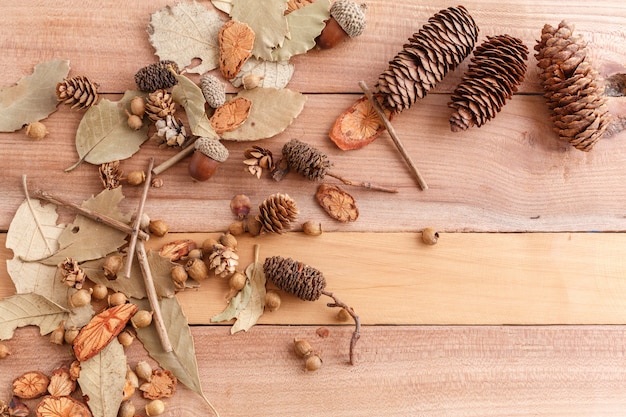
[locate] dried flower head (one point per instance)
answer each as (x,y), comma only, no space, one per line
(110,174)
(170,132)
(258,159)
(72,274)
(162,384)
(223,260)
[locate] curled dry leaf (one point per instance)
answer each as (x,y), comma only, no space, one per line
(62,407)
(338,204)
(296,4)
(31,384)
(162,384)
(231,115)
(102,328)
(177,249)
(271,74)
(358,126)
(61,383)
(235,41)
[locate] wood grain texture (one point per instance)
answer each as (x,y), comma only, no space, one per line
(401,371)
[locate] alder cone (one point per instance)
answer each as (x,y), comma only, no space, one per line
(574,92)
(303,281)
(497,68)
(438,47)
(276,213)
(306,160)
(78,92)
(157,76)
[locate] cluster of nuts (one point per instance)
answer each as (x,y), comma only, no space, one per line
(303,349)
(137,110)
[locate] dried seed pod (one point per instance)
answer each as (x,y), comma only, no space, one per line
(110,174)
(155,408)
(157,76)
(302,348)
(134,122)
(312,228)
(343,315)
(430,236)
(100,292)
(158,228)
(337,203)
(258,159)
(197,269)
(177,249)
(70,334)
(159,105)
(272,300)
(136,178)
(251,81)
(170,132)
(127,409)
(36,130)
(79,92)
(81,298)
(313,363)
(51,406)
(306,160)
(125,338)
(235,40)
(179,276)
(230,115)
(30,385)
(138,106)
(228,240)
(162,384)
(214,90)
(117,299)
(144,370)
(237,281)
(72,274)
(57,336)
(237,228)
(61,383)
(253,226)
(112,265)
(277,212)
(223,260)
(141,319)
(240,206)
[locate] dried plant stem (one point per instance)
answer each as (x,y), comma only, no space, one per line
(166,344)
(32,211)
(356,335)
(394,136)
(174,159)
(367,185)
(101,218)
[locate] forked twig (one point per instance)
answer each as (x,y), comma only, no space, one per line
(356,335)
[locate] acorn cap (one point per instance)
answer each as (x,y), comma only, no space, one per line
(214,90)
(212,148)
(350,16)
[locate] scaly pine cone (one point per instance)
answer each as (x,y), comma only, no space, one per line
(306,160)
(438,47)
(303,281)
(573,90)
(276,213)
(258,159)
(156,76)
(79,92)
(497,68)
(159,105)
(223,260)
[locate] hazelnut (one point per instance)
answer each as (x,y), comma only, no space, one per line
(4,351)
(81,298)
(430,236)
(206,158)
(272,300)
(156,183)
(197,269)
(112,265)
(347,20)
(302,348)
(117,298)
(100,292)
(36,130)
(144,370)
(228,240)
(138,106)
(125,338)
(313,363)
(179,276)
(240,206)
(312,228)
(158,228)
(155,407)
(141,319)
(237,281)
(136,178)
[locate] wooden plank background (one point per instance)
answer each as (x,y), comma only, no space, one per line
(435,340)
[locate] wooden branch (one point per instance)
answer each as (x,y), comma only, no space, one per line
(174,159)
(394,136)
(363,184)
(136,227)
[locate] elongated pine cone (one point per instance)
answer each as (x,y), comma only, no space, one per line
(303,281)
(438,47)
(497,68)
(276,213)
(573,89)
(306,160)
(159,105)
(79,92)
(156,76)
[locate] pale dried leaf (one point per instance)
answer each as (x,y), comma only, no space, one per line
(186,31)
(267,20)
(102,380)
(224,5)
(249,315)
(273,74)
(33,98)
(305,24)
(235,305)
(103,134)
(272,112)
(187,94)
(87,239)
(29,309)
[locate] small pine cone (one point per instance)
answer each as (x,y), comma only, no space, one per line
(156,76)
(573,90)
(159,105)
(296,278)
(170,132)
(77,91)
(214,90)
(438,47)
(110,175)
(306,160)
(223,260)
(258,159)
(498,67)
(276,213)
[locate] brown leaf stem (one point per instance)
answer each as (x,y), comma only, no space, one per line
(356,335)
(32,211)
(136,227)
(174,159)
(394,136)
(157,317)
(367,185)
(101,218)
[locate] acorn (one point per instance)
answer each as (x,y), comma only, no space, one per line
(206,158)
(347,20)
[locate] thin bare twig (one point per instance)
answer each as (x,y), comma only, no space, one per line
(136,227)
(394,136)
(99,217)
(174,159)
(157,317)
(32,211)
(363,184)
(356,335)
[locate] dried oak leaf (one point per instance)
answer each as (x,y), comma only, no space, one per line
(31,384)
(231,115)
(358,126)
(34,96)
(162,384)
(186,31)
(61,383)
(102,328)
(235,40)
(338,204)
(61,407)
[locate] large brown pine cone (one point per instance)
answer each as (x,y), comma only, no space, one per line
(276,213)
(296,278)
(79,92)
(306,160)
(573,89)
(156,76)
(498,67)
(438,47)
